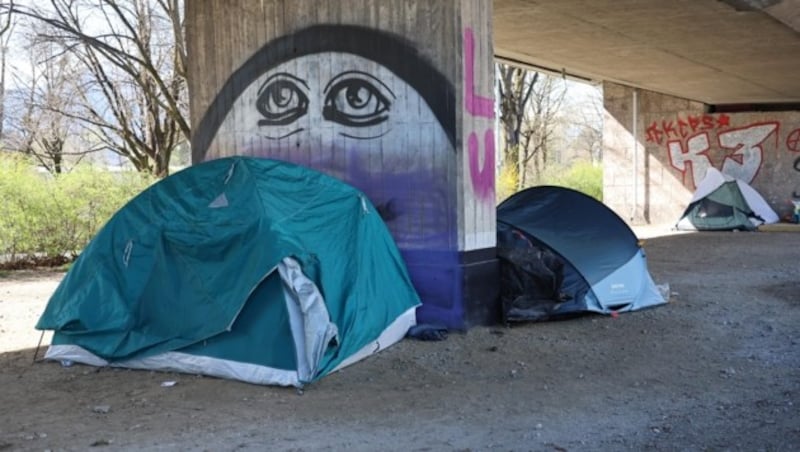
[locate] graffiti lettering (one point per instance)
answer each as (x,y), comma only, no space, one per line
(483,178)
(793,141)
(743,163)
(680,128)
(475,104)
(796,168)
(478,106)
(694,159)
(746,160)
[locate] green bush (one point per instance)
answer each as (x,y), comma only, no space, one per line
(506,183)
(46,219)
(582,176)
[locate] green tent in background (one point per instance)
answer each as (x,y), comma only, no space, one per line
(242,268)
(723,203)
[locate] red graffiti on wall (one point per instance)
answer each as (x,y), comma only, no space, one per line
(793,141)
(680,128)
(742,155)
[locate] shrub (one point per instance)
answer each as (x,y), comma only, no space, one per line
(582,176)
(46,219)
(23,196)
(506,183)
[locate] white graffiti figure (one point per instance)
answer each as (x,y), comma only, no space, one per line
(745,162)
(359,122)
(695,157)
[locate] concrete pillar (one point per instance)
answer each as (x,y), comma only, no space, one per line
(634,183)
(391,96)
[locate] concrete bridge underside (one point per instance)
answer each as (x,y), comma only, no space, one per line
(719,52)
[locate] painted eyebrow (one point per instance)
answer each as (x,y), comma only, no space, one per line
(281,75)
(365,74)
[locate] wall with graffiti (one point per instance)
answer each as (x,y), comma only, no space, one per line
(678,141)
(393,97)
(359,104)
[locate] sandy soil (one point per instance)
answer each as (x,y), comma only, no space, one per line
(718,368)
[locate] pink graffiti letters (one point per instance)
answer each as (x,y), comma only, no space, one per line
(478,107)
(483,178)
(475,104)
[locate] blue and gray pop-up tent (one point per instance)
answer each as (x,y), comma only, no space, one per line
(242,268)
(564,252)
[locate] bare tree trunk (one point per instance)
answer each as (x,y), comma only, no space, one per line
(2,87)
(134,98)
(6,28)
(515,86)
(545,105)
(529,105)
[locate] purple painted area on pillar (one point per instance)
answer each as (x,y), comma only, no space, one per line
(417,209)
(384,122)
(438,278)
(483,178)
(415,205)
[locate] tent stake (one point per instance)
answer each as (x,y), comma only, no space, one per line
(36,352)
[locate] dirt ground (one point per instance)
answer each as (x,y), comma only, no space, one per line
(716,369)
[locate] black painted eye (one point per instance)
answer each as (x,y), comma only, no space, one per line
(281,101)
(356,99)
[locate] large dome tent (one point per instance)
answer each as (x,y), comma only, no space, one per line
(243,268)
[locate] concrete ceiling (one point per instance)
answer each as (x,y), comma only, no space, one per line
(715,51)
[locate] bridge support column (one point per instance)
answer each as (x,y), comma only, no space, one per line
(392,96)
(637,182)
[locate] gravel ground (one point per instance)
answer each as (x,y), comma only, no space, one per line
(716,369)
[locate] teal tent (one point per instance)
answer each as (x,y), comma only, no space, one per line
(242,268)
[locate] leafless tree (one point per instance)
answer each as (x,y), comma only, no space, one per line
(42,124)
(132,94)
(529,106)
(6,28)
(515,86)
(540,125)
(587,117)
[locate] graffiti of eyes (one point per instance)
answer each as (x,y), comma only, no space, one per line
(357,99)
(281,101)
